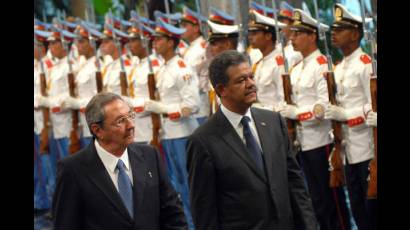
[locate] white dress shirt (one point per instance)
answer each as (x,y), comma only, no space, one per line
(235,120)
(110,163)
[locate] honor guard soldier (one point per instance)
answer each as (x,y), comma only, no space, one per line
(254,53)
(194,56)
(85,80)
(111,79)
(177,86)
(310,96)
(269,69)
(139,81)
(352,76)
(285,16)
(57,92)
(42,178)
(221,37)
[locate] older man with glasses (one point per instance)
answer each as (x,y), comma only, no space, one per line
(114,183)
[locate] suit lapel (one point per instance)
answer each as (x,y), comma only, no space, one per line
(139,174)
(269,141)
(98,174)
(230,136)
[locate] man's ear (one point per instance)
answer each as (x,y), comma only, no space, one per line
(220,90)
(96,130)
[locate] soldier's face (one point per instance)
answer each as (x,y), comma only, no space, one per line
(286,31)
(57,49)
(218,46)
(107,47)
(161,44)
(301,40)
(240,91)
(342,37)
(191,30)
(83,46)
(135,46)
(258,39)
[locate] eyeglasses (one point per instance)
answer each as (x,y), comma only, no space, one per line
(123,120)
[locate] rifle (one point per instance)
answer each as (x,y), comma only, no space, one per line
(369,37)
(287,86)
(98,76)
(74,137)
(155,118)
(123,77)
(335,158)
(44,141)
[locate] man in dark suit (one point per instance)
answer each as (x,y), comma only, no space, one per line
(243,175)
(113,183)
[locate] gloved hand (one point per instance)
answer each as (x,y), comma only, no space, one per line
(44,101)
(371,119)
(334,112)
(155,107)
(289,111)
(71,103)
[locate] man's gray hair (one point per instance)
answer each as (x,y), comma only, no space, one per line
(94,111)
(221,63)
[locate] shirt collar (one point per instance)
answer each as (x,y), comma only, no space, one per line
(109,160)
(235,118)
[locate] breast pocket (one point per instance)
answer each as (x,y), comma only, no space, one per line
(307,82)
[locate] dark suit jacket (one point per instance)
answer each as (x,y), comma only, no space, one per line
(228,191)
(86,197)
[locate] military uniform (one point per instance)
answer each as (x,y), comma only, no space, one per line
(310,96)
(194,56)
(269,69)
(352,76)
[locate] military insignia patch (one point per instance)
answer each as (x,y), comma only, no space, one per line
(338,14)
(365,59)
(181,64)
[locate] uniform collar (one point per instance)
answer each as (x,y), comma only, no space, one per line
(311,56)
(353,55)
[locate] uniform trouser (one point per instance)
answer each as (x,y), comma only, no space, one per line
(41,200)
(59,149)
(329,203)
(175,155)
(356,180)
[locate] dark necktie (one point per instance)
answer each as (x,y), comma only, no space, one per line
(251,144)
(125,188)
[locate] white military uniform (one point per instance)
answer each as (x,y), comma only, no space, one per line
(86,86)
(195,56)
(182,47)
(38,113)
(139,82)
(111,79)
(268,79)
(292,56)
(254,54)
(309,88)
(177,85)
(352,77)
(58,90)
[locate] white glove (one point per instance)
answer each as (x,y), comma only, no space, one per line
(289,111)
(44,101)
(155,106)
(71,103)
(371,119)
(335,113)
